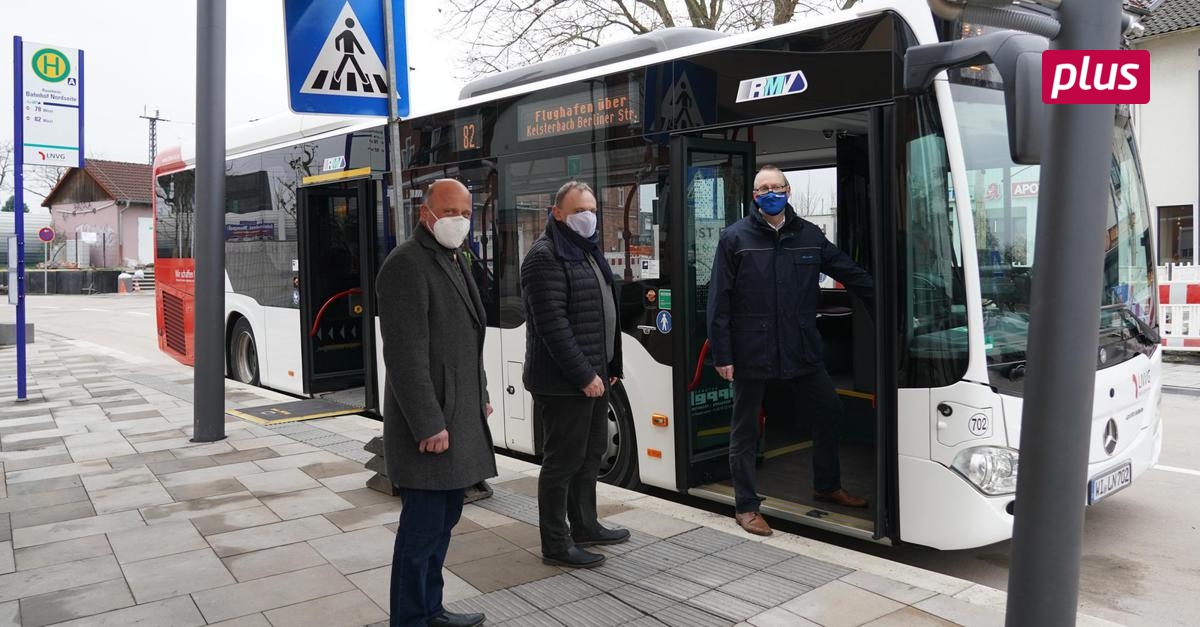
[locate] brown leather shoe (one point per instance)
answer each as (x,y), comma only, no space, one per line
(753,522)
(840,497)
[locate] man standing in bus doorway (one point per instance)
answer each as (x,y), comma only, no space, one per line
(436,438)
(762,327)
(572,357)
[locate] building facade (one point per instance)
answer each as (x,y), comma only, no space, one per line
(103,216)
(1168,128)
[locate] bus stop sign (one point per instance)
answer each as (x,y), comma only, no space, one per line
(335,52)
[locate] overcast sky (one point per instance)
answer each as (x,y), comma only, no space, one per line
(142,53)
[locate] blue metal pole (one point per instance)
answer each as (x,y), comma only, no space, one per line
(19,210)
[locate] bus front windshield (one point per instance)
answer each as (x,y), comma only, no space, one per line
(1004,201)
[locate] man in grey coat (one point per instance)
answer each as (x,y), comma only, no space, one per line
(435,433)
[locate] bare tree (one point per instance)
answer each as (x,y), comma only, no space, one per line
(806,202)
(38,180)
(512,33)
(6,163)
(42,179)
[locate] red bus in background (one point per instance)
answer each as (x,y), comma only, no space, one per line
(175,269)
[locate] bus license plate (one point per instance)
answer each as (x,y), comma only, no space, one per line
(1110,482)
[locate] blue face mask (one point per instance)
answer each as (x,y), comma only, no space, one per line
(771,202)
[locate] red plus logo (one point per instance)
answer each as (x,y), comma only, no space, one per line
(1096,76)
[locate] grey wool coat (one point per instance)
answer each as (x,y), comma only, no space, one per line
(432,326)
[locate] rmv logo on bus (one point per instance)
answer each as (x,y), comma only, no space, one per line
(1096,76)
(772,86)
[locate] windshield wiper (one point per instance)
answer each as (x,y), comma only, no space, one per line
(1143,330)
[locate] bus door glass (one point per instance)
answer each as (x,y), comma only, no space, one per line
(715,177)
(335,269)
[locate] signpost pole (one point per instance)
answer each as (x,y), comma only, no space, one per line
(208,408)
(403,222)
(1043,583)
(19,210)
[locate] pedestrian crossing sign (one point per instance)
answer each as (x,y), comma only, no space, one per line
(335,53)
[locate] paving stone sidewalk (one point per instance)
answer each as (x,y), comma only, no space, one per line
(110,516)
(1182,371)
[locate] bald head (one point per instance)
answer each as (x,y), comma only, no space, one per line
(443,199)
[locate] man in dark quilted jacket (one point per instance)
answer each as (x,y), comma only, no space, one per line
(762,326)
(572,357)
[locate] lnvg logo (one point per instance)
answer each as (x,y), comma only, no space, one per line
(1096,76)
(772,86)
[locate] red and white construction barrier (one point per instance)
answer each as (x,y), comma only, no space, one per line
(1179,315)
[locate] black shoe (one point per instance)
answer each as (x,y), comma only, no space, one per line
(450,619)
(603,536)
(574,557)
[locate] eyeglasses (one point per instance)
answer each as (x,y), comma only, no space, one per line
(770,188)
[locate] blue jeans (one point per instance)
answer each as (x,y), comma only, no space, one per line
(421,544)
(820,403)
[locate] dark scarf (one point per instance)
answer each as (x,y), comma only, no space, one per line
(573,246)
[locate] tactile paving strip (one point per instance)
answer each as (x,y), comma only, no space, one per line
(643,599)
(159,384)
(706,540)
(499,606)
(555,591)
(672,586)
(636,541)
(628,571)
(712,572)
(687,616)
(597,580)
(808,571)
(598,611)
(664,555)
(516,506)
(725,606)
(754,554)
(766,590)
(645,621)
(537,619)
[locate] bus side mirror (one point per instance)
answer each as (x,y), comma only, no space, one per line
(1017,57)
(1028,116)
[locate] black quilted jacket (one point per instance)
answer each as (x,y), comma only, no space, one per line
(564,319)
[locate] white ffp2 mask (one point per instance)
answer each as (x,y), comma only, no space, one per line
(451,231)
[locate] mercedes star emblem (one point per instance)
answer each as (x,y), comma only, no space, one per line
(1110,436)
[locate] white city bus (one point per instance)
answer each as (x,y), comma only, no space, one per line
(919,186)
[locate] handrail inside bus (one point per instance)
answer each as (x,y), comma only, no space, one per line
(317,320)
(699,367)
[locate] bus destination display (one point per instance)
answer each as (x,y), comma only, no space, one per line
(578,112)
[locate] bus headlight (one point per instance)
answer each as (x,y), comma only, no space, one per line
(992,469)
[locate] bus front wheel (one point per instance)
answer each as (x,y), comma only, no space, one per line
(243,353)
(619,464)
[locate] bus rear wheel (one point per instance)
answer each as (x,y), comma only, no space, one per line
(619,464)
(243,353)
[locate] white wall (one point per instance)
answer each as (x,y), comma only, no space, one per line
(1166,128)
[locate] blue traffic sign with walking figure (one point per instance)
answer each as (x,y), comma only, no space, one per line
(335,52)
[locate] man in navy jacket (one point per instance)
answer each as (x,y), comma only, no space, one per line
(762,326)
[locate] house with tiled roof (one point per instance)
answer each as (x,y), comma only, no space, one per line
(104,212)
(1168,128)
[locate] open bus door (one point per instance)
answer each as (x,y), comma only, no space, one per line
(715,178)
(336,275)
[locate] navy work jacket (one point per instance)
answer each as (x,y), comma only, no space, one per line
(763,294)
